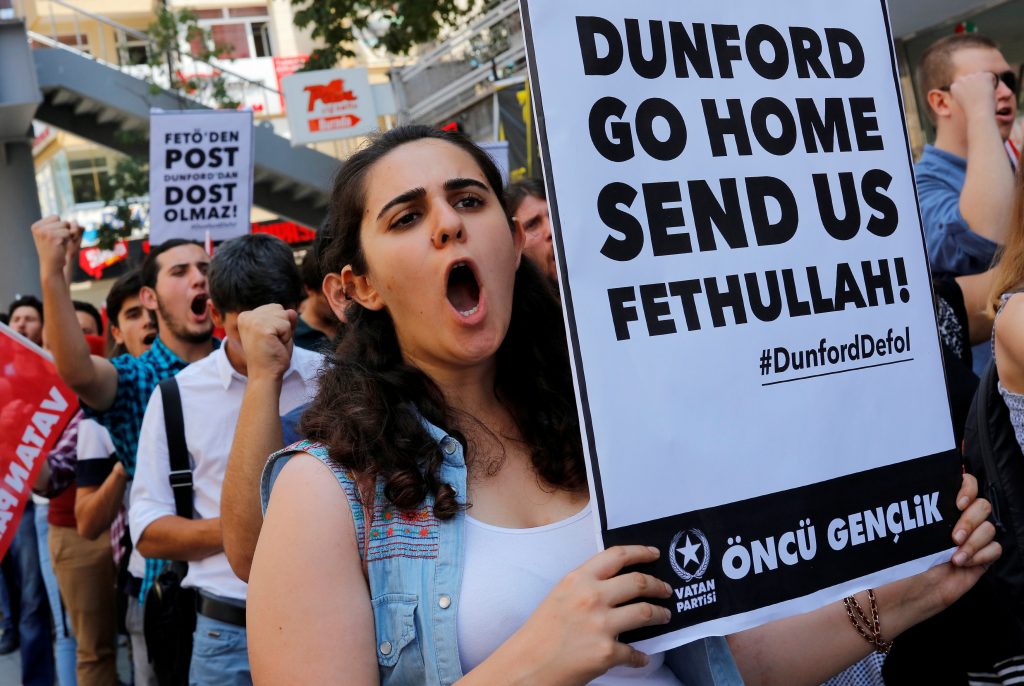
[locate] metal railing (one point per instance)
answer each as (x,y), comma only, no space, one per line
(244,89)
(464,68)
(452,42)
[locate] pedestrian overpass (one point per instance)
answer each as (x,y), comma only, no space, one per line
(71,90)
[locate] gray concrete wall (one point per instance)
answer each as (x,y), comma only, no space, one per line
(19,208)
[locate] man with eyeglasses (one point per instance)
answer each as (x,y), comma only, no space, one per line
(965,179)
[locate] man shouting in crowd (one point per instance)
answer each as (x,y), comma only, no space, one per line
(115,392)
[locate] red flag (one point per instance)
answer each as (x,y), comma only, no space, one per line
(35,406)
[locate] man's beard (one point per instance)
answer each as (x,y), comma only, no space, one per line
(180,330)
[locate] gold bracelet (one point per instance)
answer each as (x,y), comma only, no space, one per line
(869,629)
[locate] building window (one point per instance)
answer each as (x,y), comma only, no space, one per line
(261,39)
(130,50)
(88,178)
(244,31)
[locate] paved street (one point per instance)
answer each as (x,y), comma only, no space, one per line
(10,667)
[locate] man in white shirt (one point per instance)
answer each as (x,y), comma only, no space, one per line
(245,273)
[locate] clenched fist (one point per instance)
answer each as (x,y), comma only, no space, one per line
(56,242)
(976,92)
(266,336)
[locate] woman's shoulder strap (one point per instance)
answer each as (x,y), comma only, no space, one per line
(343,475)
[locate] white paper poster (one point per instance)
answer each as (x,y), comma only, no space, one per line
(200,174)
(747,298)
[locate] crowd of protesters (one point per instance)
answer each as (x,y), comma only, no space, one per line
(415,365)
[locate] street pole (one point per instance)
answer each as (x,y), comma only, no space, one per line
(19,197)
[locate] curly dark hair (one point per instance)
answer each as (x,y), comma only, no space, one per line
(368,408)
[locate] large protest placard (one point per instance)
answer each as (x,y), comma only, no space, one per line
(747,298)
(35,406)
(200,174)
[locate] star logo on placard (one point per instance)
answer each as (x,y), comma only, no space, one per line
(690,554)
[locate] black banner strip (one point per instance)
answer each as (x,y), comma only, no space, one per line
(750,554)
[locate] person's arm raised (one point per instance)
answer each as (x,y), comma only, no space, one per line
(986,200)
(93,379)
(307,589)
(266,335)
(810,648)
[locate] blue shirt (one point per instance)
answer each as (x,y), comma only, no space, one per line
(953,248)
(137,378)
(290,425)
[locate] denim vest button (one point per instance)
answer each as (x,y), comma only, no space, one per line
(385,648)
(444,601)
(448,445)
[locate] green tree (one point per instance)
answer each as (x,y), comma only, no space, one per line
(398,25)
(128,182)
(167,33)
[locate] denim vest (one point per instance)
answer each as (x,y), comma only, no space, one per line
(414,567)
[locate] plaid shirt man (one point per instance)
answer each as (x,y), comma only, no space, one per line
(137,378)
(62,459)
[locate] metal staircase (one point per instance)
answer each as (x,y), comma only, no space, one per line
(95,100)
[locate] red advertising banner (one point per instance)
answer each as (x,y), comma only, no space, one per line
(286,66)
(35,406)
(289,232)
(94,260)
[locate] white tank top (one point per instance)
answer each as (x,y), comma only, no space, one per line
(508,572)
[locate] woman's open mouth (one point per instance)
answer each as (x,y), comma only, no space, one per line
(463,289)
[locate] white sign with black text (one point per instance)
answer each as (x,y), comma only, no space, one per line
(200,174)
(747,298)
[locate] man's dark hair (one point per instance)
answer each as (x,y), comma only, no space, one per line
(127,285)
(254,270)
(89,309)
(312,277)
(4,319)
(935,70)
(519,191)
(26,301)
(151,268)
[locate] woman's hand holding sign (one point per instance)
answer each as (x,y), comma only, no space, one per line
(943,585)
(776,653)
(572,637)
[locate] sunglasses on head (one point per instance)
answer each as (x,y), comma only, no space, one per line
(1008,78)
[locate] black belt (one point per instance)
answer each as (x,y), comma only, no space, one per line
(220,610)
